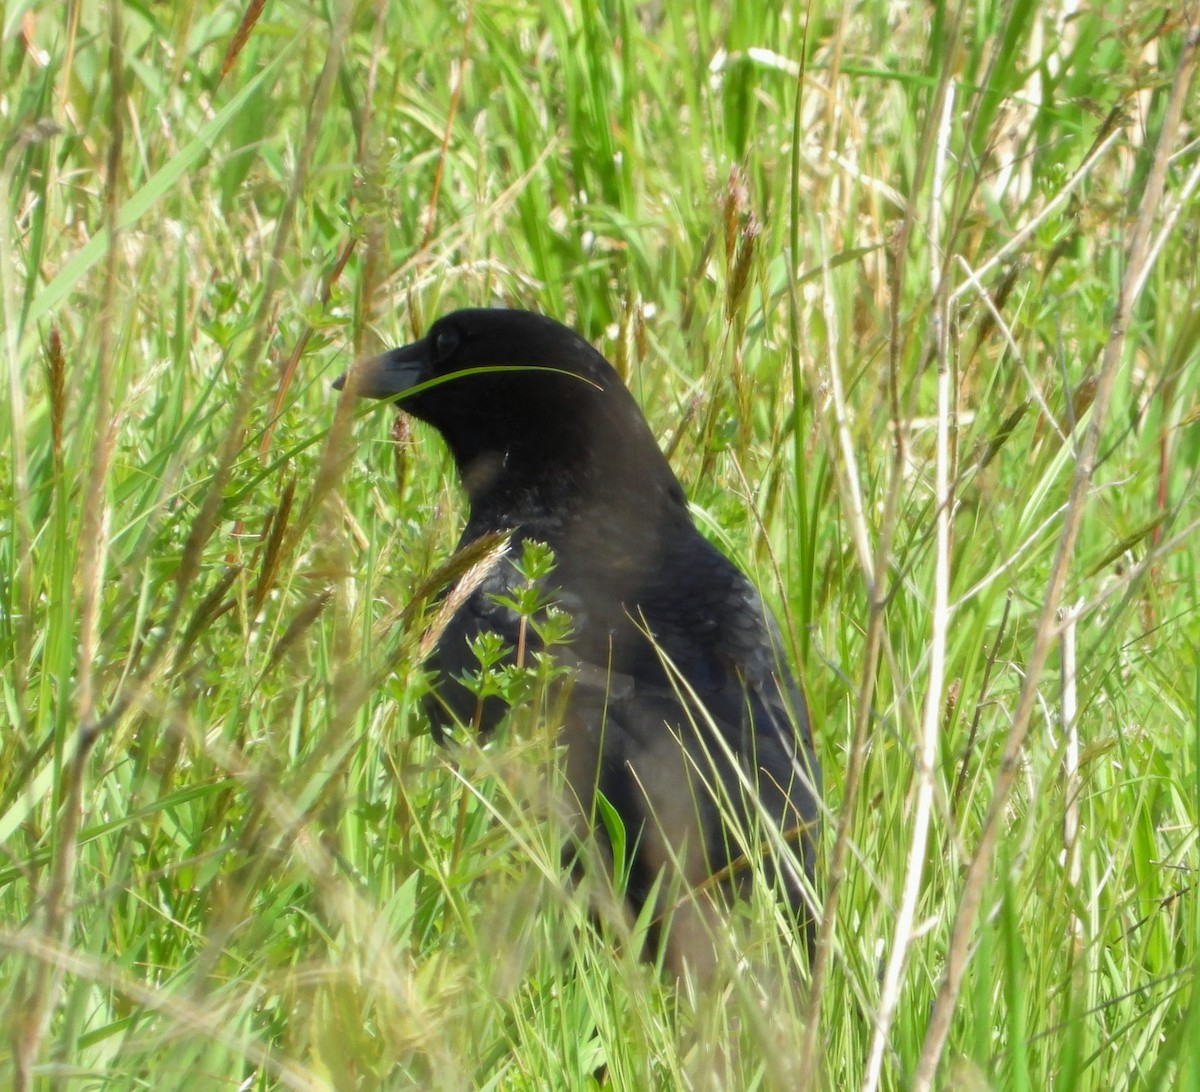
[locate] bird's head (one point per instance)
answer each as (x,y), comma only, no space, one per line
(480,359)
(525,405)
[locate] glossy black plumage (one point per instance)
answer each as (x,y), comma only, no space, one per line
(557,451)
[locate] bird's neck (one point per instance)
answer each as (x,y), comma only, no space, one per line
(568,505)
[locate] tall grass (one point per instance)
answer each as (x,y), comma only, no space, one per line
(909,293)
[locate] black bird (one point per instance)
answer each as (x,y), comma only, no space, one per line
(681,710)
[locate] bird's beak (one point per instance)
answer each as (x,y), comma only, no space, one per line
(388,375)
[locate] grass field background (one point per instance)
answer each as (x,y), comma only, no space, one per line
(910,293)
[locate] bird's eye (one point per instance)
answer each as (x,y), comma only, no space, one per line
(445,343)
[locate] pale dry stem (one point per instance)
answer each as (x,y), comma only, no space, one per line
(928,744)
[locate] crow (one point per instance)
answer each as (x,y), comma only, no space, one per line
(680,710)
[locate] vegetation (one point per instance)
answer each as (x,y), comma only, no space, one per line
(910,293)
